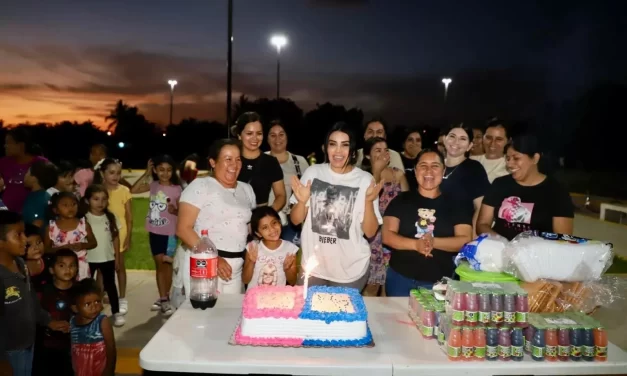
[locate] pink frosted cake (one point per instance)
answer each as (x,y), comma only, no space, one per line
(279,316)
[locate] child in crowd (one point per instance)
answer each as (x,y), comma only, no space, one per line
(162,180)
(40,176)
(65,179)
(272,261)
(52,353)
(34,257)
(93,342)
(109,174)
(19,307)
(106,256)
(67,230)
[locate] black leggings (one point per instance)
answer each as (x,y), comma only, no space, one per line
(108,277)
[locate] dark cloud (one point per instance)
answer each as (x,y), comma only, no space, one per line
(339,3)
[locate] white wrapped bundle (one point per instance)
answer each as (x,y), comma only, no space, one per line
(534,255)
(486,253)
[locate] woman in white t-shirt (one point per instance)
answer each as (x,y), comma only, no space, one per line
(338,205)
(222,206)
(292,165)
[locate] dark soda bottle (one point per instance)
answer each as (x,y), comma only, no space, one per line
(492,343)
(576,344)
(517,344)
(538,345)
(588,344)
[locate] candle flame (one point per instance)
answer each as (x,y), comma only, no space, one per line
(311,263)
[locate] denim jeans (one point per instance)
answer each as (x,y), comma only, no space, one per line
(21,361)
(291,233)
(397,284)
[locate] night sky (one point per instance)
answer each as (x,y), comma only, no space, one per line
(71,60)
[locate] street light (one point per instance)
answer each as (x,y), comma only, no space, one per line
(109,133)
(172,84)
(446,82)
(278,41)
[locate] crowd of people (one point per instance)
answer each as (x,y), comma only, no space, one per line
(375,219)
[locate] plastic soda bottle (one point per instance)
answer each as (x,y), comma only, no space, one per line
(459,302)
(538,345)
(468,343)
(563,339)
(576,344)
(484,307)
(505,344)
(455,344)
(552,343)
(522,308)
(203,272)
(480,343)
(497,308)
(492,343)
(600,344)
(472,308)
(588,344)
(428,322)
(509,308)
(529,332)
(518,342)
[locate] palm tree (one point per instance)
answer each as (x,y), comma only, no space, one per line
(121,113)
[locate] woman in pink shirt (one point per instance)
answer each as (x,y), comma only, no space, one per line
(20,152)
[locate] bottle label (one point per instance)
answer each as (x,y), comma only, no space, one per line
(521,316)
(454,352)
(480,352)
(427,331)
(537,352)
(467,351)
(497,316)
(436,332)
(472,316)
(491,352)
(484,317)
(550,351)
(600,351)
(505,351)
(564,350)
(527,345)
(575,351)
(588,351)
(510,317)
(203,267)
(458,316)
(517,351)
(441,337)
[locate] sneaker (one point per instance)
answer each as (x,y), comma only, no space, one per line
(118,320)
(123,306)
(156,306)
(166,308)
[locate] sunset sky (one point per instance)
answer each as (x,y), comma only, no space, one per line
(71,60)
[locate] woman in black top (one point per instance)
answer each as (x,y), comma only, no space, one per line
(262,171)
(411,147)
(424,229)
(526,199)
(463,178)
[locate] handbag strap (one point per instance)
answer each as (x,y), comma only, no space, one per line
(297,165)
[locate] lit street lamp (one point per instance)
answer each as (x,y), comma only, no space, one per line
(446,82)
(172,84)
(278,41)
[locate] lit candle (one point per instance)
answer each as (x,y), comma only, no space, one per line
(311,263)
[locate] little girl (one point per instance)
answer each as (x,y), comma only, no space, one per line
(93,342)
(105,257)
(272,261)
(109,174)
(35,262)
(66,230)
(163,182)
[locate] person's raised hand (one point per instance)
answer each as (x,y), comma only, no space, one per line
(302,192)
(252,250)
(372,193)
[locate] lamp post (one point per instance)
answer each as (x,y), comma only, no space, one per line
(278,41)
(229,68)
(446,81)
(172,84)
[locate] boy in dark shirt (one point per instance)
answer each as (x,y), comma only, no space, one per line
(20,309)
(52,355)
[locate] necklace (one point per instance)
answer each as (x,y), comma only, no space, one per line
(451,173)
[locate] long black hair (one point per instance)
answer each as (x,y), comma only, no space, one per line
(156,161)
(352,140)
(102,167)
(366,163)
(21,135)
(84,207)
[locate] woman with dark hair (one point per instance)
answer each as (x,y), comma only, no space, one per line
(463,178)
(526,199)
(260,170)
(338,205)
(376,162)
(222,205)
(424,229)
(21,153)
(412,145)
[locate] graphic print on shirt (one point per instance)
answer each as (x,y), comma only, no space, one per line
(269,272)
(513,210)
(425,223)
(332,209)
(12,295)
(158,204)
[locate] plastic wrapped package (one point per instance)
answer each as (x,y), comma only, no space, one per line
(533,255)
(550,296)
(486,253)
